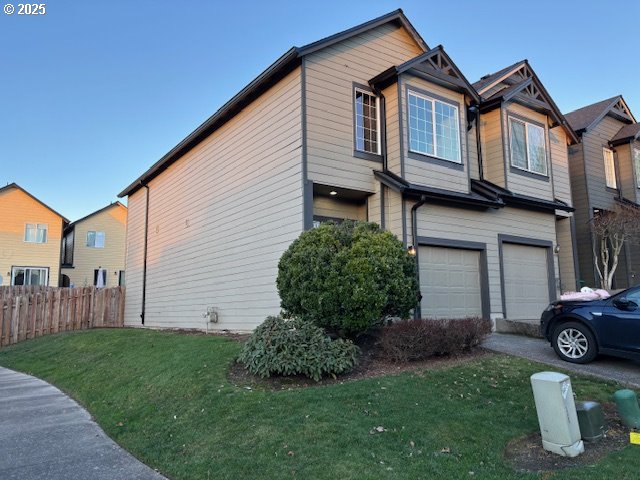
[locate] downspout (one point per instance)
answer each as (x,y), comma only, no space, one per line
(479,144)
(144,260)
(417,313)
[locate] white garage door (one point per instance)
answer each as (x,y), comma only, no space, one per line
(526,281)
(450,282)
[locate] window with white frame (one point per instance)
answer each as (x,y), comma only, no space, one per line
(434,128)
(35,233)
(29,276)
(367,115)
(95,239)
(609,168)
(636,164)
(528,146)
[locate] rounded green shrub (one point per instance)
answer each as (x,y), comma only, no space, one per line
(347,278)
(291,346)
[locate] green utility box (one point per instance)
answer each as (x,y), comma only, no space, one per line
(628,409)
(590,420)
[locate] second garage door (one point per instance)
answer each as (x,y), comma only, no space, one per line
(450,282)
(526,281)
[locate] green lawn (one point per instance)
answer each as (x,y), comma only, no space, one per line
(166,398)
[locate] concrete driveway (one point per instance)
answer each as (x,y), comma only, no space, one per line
(46,435)
(626,372)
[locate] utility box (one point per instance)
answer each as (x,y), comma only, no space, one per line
(591,420)
(557,413)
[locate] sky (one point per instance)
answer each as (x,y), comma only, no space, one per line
(93,92)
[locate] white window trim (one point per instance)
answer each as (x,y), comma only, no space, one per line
(526,137)
(25,268)
(46,229)
(355,115)
(612,168)
(433,123)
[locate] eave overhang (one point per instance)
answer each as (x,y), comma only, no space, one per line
(511,199)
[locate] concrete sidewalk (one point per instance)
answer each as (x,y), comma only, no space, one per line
(46,435)
(626,372)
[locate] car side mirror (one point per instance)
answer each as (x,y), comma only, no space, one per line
(624,303)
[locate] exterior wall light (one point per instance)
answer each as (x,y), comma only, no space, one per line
(556,249)
(411,250)
(333,192)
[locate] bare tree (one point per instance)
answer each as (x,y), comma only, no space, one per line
(612,229)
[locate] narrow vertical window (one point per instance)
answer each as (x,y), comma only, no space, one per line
(528,146)
(367,122)
(636,164)
(609,168)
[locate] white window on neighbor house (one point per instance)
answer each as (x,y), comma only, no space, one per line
(528,146)
(636,165)
(29,276)
(367,118)
(95,239)
(609,168)
(35,233)
(434,128)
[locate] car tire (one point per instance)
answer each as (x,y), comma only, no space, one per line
(573,342)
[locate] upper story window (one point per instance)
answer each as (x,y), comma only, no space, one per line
(636,164)
(95,239)
(434,128)
(528,146)
(35,233)
(609,168)
(367,117)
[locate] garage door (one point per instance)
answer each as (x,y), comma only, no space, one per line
(526,281)
(450,282)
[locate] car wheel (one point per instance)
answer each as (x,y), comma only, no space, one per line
(573,342)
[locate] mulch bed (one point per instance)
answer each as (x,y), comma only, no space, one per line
(527,455)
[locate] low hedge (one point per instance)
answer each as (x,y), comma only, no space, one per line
(410,340)
(292,346)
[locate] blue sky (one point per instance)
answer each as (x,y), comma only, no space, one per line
(93,93)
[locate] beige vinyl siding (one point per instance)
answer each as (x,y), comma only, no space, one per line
(484,226)
(134,255)
(113,222)
(16,210)
(393,212)
(222,215)
(530,185)
(421,172)
(393,129)
(560,164)
(565,255)
(492,151)
(335,208)
(374,208)
(626,178)
(330,74)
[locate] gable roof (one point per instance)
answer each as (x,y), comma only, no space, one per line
(18,187)
(587,117)
(626,134)
(434,65)
(86,217)
(522,81)
(269,77)
(490,79)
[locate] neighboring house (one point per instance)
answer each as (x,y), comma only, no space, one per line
(95,245)
(368,124)
(605,169)
(30,235)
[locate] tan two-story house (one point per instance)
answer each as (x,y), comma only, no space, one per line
(30,235)
(605,170)
(368,124)
(95,245)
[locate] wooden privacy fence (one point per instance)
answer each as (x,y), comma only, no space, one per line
(33,311)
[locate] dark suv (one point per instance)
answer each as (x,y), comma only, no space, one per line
(580,330)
